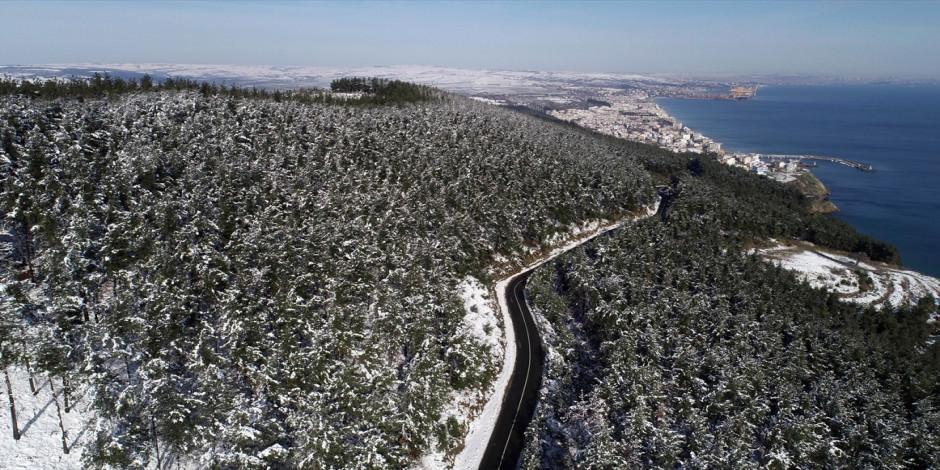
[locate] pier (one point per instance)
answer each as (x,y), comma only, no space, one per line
(842,161)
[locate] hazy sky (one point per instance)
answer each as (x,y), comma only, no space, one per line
(845,38)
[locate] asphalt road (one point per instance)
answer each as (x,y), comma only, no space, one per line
(521,395)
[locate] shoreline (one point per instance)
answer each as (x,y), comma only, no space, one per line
(790,171)
(637,112)
(637,115)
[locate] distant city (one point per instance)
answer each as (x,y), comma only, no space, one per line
(631,112)
(620,105)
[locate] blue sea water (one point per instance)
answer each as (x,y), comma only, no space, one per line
(893,127)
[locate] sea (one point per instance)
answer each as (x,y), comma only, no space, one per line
(895,128)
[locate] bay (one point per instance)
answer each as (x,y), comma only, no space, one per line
(896,128)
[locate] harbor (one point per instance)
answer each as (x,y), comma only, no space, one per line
(802,158)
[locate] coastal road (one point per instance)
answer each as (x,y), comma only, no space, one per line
(506,442)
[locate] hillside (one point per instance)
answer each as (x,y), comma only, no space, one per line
(672,346)
(254,281)
(235,278)
(811,186)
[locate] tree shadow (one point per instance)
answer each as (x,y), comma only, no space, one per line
(35,418)
(76,396)
(40,386)
(79,435)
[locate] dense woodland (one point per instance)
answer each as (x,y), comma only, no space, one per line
(671,348)
(258,279)
(373,91)
(250,281)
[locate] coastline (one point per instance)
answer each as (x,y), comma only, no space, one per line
(775,133)
(637,115)
(889,127)
(896,285)
(788,171)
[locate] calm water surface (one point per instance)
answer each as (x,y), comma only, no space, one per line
(895,128)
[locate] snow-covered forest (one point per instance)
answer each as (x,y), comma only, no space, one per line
(244,279)
(671,347)
(257,281)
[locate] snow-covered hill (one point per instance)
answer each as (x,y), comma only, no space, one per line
(452,79)
(259,282)
(867,283)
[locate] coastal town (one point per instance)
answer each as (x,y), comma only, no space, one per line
(635,115)
(632,112)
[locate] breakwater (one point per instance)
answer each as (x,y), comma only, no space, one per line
(842,161)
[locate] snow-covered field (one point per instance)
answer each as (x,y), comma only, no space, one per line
(856,281)
(448,78)
(40,445)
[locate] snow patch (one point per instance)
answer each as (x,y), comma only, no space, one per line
(864,283)
(488,100)
(40,444)
(480,320)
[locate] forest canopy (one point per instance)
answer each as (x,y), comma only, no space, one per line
(257,279)
(671,347)
(230,273)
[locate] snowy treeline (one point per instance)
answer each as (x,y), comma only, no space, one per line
(670,347)
(261,283)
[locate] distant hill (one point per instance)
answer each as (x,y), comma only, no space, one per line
(452,79)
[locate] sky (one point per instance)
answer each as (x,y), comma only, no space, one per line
(849,39)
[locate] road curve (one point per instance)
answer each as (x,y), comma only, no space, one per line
(518,400)
(506,442)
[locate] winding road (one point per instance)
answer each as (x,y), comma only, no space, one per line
(518,401)
(506,442)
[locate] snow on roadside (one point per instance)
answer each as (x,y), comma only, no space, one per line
(479,322)
(481,427)
(40,444)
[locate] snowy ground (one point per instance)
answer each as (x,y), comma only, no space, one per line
(40,444)
(866,283)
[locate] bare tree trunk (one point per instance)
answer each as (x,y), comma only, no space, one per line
(24,247)
(32,382)
(66,390)
(16,428)
(156,442)
(58,411)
